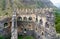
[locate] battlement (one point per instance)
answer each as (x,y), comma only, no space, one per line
(27,11)
(35,11)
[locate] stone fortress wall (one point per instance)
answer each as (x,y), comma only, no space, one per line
(34,13)
(39,22)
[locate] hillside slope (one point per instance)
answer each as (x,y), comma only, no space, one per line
(34,3)
(6,9)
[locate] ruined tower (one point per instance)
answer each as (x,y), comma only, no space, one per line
(14,22)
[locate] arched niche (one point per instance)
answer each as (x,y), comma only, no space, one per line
(25,18)
(46,25)
(41,21)
(5,24)
(19,18)
(30,18)
(42,33)
(36,19)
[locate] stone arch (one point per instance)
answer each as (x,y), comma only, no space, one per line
(46,25)
(41,21)
(25,18)
(36,28)
(42,33)
(38,36)
(30,26)
(30,18)
(5,24)
(19,18)
(25,29)
(36,19)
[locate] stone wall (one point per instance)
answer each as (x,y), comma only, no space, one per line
(36,22)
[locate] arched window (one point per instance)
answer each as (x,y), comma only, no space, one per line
(21,28)
(36,19)
(41,22)
(42,33)
(5,24)
(30,18)
(47,25)
(38,36)
(25,18)
(29,25)
(24,29)
(19,18)
(36,28)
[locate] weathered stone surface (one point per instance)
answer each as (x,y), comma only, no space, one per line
(38,29)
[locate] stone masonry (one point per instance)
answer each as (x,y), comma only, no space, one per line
(35,22)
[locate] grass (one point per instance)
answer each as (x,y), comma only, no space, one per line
(1,37)
(25,37)
(20,37)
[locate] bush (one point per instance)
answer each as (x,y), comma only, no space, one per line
(57,21)
(1,37)
(57,27)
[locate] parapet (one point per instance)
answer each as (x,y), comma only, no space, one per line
(35,11)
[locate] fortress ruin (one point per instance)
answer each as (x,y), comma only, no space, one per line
(33,22)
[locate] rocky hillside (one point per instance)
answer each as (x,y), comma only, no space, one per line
(34,3)
(5,5)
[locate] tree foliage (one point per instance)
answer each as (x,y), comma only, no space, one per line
(57,21)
